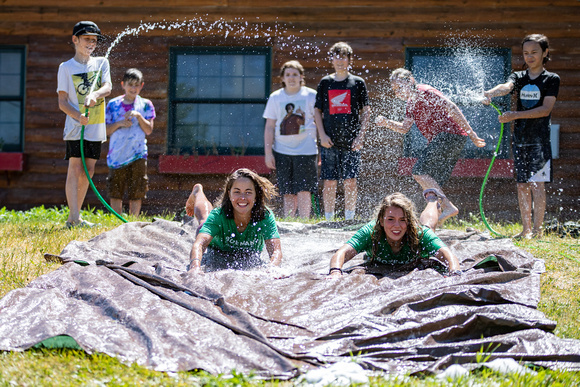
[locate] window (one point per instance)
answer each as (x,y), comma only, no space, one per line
(461,74)
(12,74)
(217,98)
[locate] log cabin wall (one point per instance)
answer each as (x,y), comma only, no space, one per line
(378,30)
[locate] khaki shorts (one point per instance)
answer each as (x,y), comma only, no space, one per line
(131,178)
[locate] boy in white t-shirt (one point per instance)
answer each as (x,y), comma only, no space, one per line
(290,140)
(83,82)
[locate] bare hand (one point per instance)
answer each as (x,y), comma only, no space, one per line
(84,119)
(195,270)
(90,100)
(357,144)
(486,100)
(325,141)
(270,161)
(131,114)
(381,121)
(277,272)
(507,117)
(125,123)
(477,141)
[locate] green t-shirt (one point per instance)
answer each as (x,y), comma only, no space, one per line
(226,236)
(429,243)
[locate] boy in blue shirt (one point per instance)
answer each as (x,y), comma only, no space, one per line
(129,120)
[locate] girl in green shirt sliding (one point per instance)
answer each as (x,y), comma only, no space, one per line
(397,237)
(233,234)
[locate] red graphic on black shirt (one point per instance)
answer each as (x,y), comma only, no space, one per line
(339,101)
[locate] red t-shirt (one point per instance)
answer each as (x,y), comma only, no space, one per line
(429,113)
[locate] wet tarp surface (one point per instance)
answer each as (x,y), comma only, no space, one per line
(125,293)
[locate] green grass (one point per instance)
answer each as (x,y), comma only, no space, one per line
(27,236)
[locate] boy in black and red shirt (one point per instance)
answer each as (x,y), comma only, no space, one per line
(341,113)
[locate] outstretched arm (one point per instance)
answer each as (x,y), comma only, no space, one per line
(457,116)
(201,242)
(274,248)
(399,127)
(445,254)
(498,91)
(342,255)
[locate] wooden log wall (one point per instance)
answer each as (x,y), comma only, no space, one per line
(378,30)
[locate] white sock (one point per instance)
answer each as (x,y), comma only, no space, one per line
(329,216)
(348,214)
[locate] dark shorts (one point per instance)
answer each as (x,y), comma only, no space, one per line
(339,164)
(533,163)
(296,173)
(440,156)
(92,149)
(131,178)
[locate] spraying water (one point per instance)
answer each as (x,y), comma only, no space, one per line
(238,30)
(473,66)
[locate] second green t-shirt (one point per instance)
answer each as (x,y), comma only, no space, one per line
(429,243)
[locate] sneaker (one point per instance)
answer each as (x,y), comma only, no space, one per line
(85,224)
(81,224)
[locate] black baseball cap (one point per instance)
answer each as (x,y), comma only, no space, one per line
(86,28)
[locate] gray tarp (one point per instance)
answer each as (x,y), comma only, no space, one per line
(133,301)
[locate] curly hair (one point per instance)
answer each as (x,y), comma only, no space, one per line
(265,192)
(411,236)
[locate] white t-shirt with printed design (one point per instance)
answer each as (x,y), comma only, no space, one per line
(75,79)
(295,128)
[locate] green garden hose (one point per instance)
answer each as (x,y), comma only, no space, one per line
(487,176)
(91,180)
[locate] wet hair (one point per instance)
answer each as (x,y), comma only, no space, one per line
(542,40)
(401,74)
(292,64)
(411,236)
(265,192)
(133,75)
(341,49)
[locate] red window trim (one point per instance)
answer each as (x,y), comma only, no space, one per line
(195,165)
(466,167)
(11,161)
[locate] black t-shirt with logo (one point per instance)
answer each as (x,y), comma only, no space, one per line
(340,103)
(531,94)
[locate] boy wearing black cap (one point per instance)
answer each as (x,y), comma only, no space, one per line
(83,82)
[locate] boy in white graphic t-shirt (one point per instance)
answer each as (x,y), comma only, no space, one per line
(83,83)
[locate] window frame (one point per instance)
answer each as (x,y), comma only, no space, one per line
(177,160)
(13,159)
(21,49)
(468,166)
